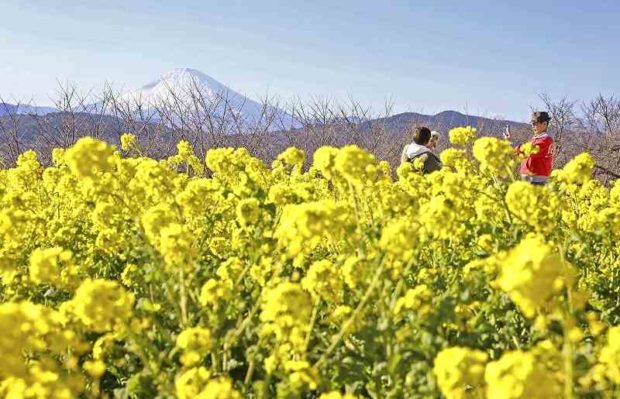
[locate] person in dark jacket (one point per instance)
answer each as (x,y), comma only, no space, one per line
(419,150)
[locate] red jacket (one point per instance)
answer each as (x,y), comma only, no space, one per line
(538,164)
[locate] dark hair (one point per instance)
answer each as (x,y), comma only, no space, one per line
(540,116)
(421,135)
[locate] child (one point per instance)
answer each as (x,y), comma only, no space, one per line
(434,139)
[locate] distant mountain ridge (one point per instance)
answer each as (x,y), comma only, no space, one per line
(24,109)
(444,121)
(182,84)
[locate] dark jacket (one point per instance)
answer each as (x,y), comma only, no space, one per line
(414,151)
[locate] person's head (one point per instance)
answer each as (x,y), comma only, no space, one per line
(540,121)
(434,139)
(421,135)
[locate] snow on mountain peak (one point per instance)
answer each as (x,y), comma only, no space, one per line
(185,86)
(179,83)
(182,77)
(184,72)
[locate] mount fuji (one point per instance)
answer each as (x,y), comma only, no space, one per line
(194,91)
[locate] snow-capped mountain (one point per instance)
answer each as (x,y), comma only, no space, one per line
(194,91)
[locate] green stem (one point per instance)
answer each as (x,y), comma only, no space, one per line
(183,299)
(250,372)
(315,311)
(567,349)
(347,324)
(239,330)
(358,212)
(215,364)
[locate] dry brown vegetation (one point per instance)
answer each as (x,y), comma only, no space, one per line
(210,121)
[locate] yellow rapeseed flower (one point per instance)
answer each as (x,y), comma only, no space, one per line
(460,372)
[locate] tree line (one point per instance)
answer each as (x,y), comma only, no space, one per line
(210,120)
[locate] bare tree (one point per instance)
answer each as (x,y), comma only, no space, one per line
(10,135)
(210,119)
(563,120)
(601,125)
(602,115)
(77,114)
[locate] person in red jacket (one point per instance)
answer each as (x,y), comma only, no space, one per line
(536,167)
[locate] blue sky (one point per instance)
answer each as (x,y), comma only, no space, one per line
(485,57)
